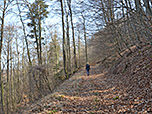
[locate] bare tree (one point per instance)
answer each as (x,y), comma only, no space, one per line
(70,10)
(2,19)
(63,43)
(68,43)
(147,6)
(25,35)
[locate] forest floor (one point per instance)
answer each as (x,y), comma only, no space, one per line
(124,89)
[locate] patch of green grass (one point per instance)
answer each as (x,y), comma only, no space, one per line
(96,93)
(96,100)
(91,113)
(60,97)
(115,98)
(52,112)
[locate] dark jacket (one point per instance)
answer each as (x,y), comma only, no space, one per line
(87,67)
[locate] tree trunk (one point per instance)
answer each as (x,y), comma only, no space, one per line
(79,48)
(11,78)
(68,45)
(23,66)
(111,9)
(56,52)
(37,44)
(40,37)
(85,39)
(138,5)
(75,58)
(1,45)
(63,43)
(147,6)
(8,83)
(104,12)
(25,36)
(18,72)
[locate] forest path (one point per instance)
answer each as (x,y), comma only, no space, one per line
(82,94)
(123,89)
(126,89)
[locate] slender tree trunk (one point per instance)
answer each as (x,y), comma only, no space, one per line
(147,6)
(130,5)
(11,78)
(130,28)
(18,67)
(40,51)
(40,37)
(63,43)
(37,44)
(25,36)
(111,10)
(79,48)
(107,11)
(15,98)
(85,39)
(86,47)
(1,45)
(23,66)
(68,45)
(8,83)
(104,12)
(56,52)
(67,37)
(138,5)
(75,58)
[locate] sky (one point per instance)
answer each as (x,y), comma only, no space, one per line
(54,18)
(13,18)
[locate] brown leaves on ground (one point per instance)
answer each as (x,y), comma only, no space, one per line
(128,91)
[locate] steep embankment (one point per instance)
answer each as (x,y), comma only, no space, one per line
(125,88)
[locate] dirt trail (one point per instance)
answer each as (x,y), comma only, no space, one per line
(80,94)
(99,93)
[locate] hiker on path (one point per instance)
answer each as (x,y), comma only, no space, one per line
(87,68)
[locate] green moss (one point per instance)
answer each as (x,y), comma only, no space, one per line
(60,97)
(96,93)
(96,100)
(115,98)
(52,112)
(91,113)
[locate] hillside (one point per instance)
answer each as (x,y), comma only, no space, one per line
(126,87)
